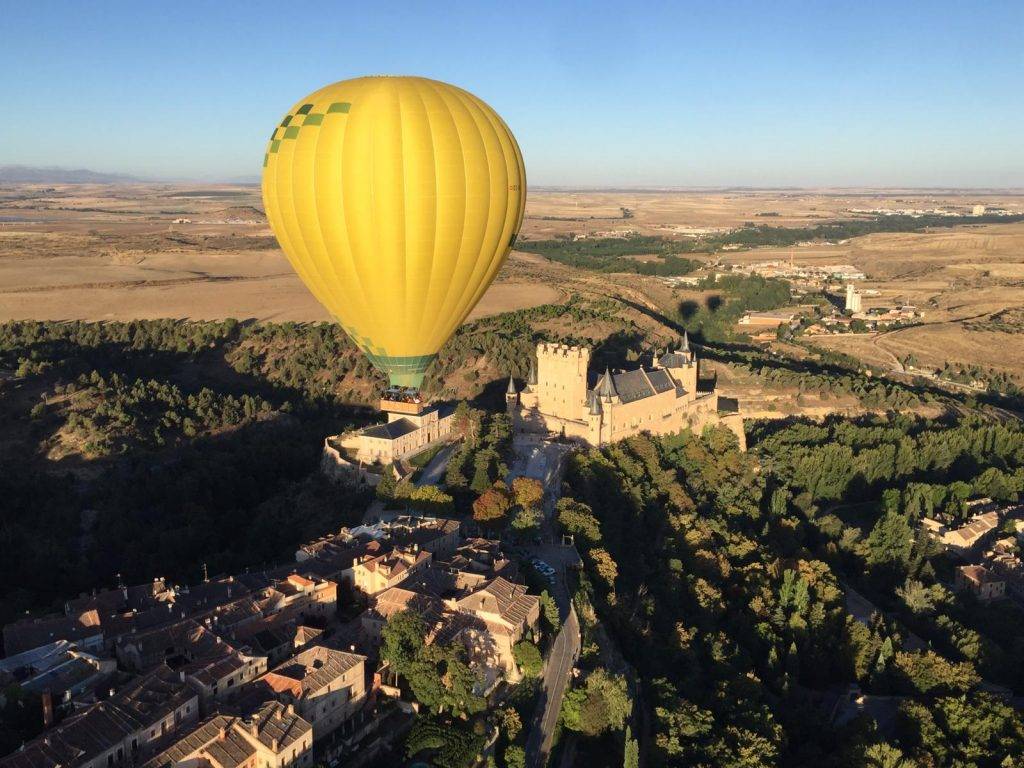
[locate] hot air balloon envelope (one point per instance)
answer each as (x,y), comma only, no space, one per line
(396,200)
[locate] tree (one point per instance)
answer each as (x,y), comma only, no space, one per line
(631,751)
(515,756)
(930,673)
(402,639)
(431,500)
(509,722)
(602,704)
(481,475)
(549,609)
(884,755)
(528,658)
(604,566)
(527,492)
(919,599)
(577,518)
(492,506)
(526,519)
(438,676)
(889,545)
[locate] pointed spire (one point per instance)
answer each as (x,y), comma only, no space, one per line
(607,386)
(686,342)
(595,403)
(511,387)
(531,377)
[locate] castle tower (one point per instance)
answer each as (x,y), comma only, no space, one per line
(562,379)
(594,418)
(511,396)
(683,366)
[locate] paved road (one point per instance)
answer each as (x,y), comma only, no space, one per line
(545,462)
(563,654)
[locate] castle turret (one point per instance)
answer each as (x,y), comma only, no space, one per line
(511,395)
(606,389)
(531,377)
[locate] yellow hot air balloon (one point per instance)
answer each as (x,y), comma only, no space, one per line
(396,200)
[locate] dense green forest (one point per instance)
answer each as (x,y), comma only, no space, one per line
(611,254)
(720,576)
(150,448)
(733,295)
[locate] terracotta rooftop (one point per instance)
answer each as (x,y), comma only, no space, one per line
(501,597)
(311,670)
(225,741)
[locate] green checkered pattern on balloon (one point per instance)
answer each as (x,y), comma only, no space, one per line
(302,118)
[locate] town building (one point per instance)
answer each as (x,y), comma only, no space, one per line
(83,629)
(373,574)
(326,686)
(60,670)
(115,732)
(661,399)
(298,598)
(487,620)
(274,736)
(985,584)
(507,613)
(971,537)
(768,319)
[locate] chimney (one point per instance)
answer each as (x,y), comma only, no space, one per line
(223,733)
(47,709)
(277,714)
(273,745)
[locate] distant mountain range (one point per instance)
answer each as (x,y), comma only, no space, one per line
(27,174)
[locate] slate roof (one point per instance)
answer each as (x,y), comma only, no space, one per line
(392,430)
(88,734)
(632,386)
(28,634)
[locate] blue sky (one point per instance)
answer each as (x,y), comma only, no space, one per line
(682,94)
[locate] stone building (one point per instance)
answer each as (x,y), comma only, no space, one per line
(983,582)
(326,686)
(411,428)
(662,399)
(274,735)
(115,732)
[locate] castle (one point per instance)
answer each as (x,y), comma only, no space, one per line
(661,399)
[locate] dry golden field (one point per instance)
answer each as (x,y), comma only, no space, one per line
(116,253)
(104,252)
